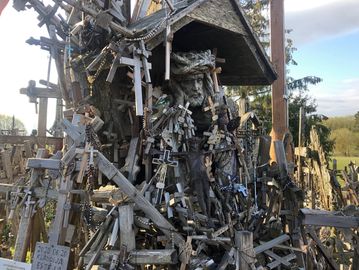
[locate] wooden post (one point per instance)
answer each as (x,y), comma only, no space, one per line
(23,237)
(245,251)
(127,234)
(300,145)
(6,161)
(279,99)
(42,119)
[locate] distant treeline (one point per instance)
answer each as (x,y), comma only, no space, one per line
(345,132)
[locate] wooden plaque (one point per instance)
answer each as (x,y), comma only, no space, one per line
(50,257)
(6,264)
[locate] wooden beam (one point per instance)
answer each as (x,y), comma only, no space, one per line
(41,92)
(6,139)
(23,236)
(43,163)
(279,99)
(270,244)
(142,203)
(327,218)
(246,254)
(138,257)
(127,233)
(277,263)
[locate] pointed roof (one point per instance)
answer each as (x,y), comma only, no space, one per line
(209,24)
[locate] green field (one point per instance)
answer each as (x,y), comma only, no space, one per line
(343,161)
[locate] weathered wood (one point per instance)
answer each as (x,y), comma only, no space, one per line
(12,139)
(41,92)
(58,233)
(42,119)
(13,265)
(281,158)
(127,233)
(22,239)
(139,257)
(113,174)
(285,260)
(42,163)
(48,256)
(327,218)
(246,253)
(270,244)
(6,161)
(323,249)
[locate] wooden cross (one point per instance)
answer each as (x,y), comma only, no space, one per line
(213,108)
(214,137)
(43,94)
(137,64)
(184,111)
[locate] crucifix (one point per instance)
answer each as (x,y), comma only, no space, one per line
(163,162)
(29,203)
(213,108)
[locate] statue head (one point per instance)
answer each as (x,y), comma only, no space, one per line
(190,77)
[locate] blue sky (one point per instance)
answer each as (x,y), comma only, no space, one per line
(327,38)
(326,33)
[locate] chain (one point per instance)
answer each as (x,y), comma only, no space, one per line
(92,137)
(88,214)
(92,79)
(154,30)
(90,178)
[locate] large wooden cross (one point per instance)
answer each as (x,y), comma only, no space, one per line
(137,64)
(43,94)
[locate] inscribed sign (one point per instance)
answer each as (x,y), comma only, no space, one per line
(50,257)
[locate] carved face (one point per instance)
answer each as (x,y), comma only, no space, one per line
(192,86)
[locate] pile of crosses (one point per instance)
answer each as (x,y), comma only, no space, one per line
(158,169)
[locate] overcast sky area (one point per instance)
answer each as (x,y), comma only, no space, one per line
(325,32)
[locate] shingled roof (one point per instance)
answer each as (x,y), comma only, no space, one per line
(209,24)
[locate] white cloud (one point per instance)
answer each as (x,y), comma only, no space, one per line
(313,20)
(297,5)
(345,101)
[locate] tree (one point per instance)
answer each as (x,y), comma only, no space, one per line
(10,124)
(356,124)
(345,141)
(297,88)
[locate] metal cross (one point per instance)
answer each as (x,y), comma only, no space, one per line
(164,162)
(165,159)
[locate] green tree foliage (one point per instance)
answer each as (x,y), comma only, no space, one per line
(346,142)
(297,88)
(8,123)
(356,124)
(345,132)
(347,122)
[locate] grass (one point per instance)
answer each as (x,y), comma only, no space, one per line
(343,161)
